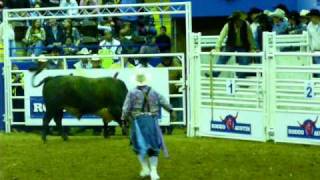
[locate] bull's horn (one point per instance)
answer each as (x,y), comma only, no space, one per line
(315,122)
(299,124)
(221,118)
(116,75)
(236,115)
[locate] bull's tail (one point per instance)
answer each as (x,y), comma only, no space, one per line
(37,70)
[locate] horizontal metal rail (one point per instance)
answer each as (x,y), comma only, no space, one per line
(238,54)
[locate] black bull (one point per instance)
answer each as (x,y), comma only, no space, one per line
(79,96)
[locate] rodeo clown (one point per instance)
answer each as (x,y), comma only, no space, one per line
(142,107)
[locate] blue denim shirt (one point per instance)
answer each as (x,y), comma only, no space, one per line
(281,28)
(134,101)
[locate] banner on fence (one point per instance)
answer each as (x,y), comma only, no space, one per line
(247,125)
(35,107)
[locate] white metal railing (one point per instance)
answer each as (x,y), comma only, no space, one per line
(181,82)
(105,11)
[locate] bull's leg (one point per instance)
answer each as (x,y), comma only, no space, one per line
(125,127)
(105,128)
(58,120)
(45,125)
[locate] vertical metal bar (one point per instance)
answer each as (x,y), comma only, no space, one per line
(7,74)
(122,62)
(189,54)
(184,102)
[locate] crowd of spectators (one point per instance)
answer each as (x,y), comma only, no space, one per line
(102,35)
(243,32)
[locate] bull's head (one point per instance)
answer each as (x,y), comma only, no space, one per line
(309,126)
(230,121)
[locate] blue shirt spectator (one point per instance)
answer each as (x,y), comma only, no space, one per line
(54,34)
(280,23)
(72,4)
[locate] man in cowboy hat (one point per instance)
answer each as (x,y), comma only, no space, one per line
(304,18)
(280,22)
(84,62)
(239,38)
(314,34)
(142,107)
(96,62)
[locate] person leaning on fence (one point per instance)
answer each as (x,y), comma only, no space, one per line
(314,35)
(239,38)
(142,107)
(304,18)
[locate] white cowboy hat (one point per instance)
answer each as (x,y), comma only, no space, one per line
(141,78)
(304,12)
(95,57)
(84,51)
(278,13)
(42,58)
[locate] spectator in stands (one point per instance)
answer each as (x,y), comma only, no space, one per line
(56,63)
(51,63)
(34,38)
(280,24)
(11,36)
(71,4)
(96,62)
(54,34)
(283,7)
(128,47)
(304,19)
(314,34)
(71,32)
(84,62)
(89,3)
(295,26)
(126,29)
(106,24)
(111,1)
(253,20)
(163,41)
(150,47)
(265,25)
(141,29)
(109,46)
(68,47)
(239,39)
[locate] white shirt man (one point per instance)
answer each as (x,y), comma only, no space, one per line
(114,46)
(70,4)
(9,32)
(314,34)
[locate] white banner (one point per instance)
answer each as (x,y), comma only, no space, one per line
(246,125)
(34,102)
(297,128)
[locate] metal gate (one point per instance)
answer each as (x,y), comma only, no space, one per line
(279,102)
